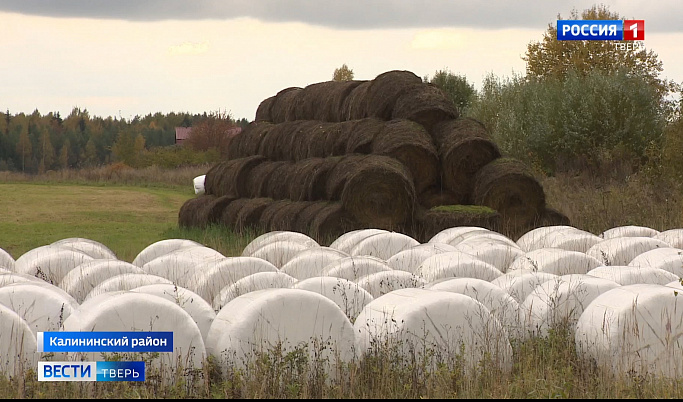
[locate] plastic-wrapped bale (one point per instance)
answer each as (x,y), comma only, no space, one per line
(383,282)
(455,235)
(274,236)
(668,259)
(355,104)
(282,107)
(230,177)
(349,296)
(310,263)
(384,245)
(252,283)
(194,212)
(520,283)
(348,240)
(210,278)
(83,279)
(533,239)
(354,268)
(198,308)
(282,320)
(92,248)
(425,104)
(673,237)
(555,261)
(473,238)
(124,282)
(634,330)
(629,231)
(454,329)
(263,109)
(6,260)
(409,260)
(132,311)
(625,275)
(429,223)
(179,266)
(161,247)
(456,264)
(250,213)
(570,239)
(17,345)
(503,306)
(279,253)
(198,184)
(465,147)
(492,251)
(331,221)
(508,186)
(50,263)
(559,302)
(7,278)
(621,250)
(43,306)
(385,90)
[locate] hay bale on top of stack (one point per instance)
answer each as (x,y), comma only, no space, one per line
(420,156)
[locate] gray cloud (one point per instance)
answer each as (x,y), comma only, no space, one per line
(661,16)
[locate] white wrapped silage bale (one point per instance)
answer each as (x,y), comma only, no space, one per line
(454,235)
(384,282)
(409,260)
(348,295)
(6,260)
(280,252)
(519,284)
(625,275)
(621,250)
(44,307)
(90,247)
(160,248)
(668,259)
(494,252)
(198,183)
(275,236)
(252,283)
(555,261)
(310,263)
(124,282)
(570,239)
(13,277)
(18,349)
(456,264)
(383,245)
(354,268)
(83,278)
(50,263)
(179,266)
(348,240)
(673,237)
(629,231)
(532,239)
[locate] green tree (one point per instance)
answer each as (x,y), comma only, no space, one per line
(24,148)
(124,147)
(47,151)
(456,87)
(343,73)
(91,152)
(64,155)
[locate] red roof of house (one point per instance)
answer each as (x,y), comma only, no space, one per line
(182,133)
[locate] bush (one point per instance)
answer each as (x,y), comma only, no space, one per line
(175,156)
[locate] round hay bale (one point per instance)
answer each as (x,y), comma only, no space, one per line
(331,222)
(409,260)
(355,104)
(299,138)
(82,279)
(248,141)
(308,214)
(435,196)
(92,248)
(385,89)
(214,210)
(252,283)
(384,245)
(338,177)
(272,140)
(520,283)
(465,147)
(381,283)
(269,212)
(350,297)
(310,262)
(317,134)
(629,231)
(180,266)
(161,247)
(231,179)
(286,217)
(555,261)
(410,144)
(231,211)
(456,264)
(379,193)
(43,306)
(508,186)
(237,144)
(309,178)
(425,104)
(335,143)
(431,222)
(277,184)
(193,212)
(362,135)
(313,101)
(346,242)
(354,268)
(281,109)
(263,110)
(257,181)
(248,216)
(336,100)
(552,217)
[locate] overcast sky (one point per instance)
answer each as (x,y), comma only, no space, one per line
(134,57)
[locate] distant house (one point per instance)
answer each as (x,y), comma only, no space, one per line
(182,133)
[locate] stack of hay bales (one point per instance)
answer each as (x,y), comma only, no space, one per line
(387,153)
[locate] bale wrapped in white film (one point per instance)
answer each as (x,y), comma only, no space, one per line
(179,266)
(533,238)
(493,252)
(5,271)
(349,296)
(348,240)
(198,183)
(265,321)
(451,328)
(384,245)
(124,282)
(280,252)
(252,283)
(560,301)
(409,260)
(353,268)
(44,307)
(18,349)
(6,260)
(278,235)
(452,236)
(384,282)
(673,237)
(200,311)
(668,259)
(675,284)
(555,261)
(477,238)
(310,263)
(160,248)
(456,264)
(571,239)
(629,231)
(210,278)
(503,306)
(519,286)
(132,311)
(13,277)
(92,248)
(622,250)
(634,330)
(50,263)
(625,275)
(82,279)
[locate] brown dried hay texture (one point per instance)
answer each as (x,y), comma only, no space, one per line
(425,104)
(429,222)
(410,144)
(257,180)
(269,212)
(193,213)
(277,184)
(271,143)
(263,110)
(379,192)
(385,90)
(509,187)
(355,104)
(316,101)
(435,196)
(249,215)
(336,100)
(282,108)
(337,178)
(307,214)
(317,134)
(231,176)
(230,212)
(250,139)
(285,218)
(330,222)
(552,217)
(362,135)
(465,147)
(309,178)
(336,145)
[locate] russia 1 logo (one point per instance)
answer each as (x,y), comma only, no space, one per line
(634,29)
